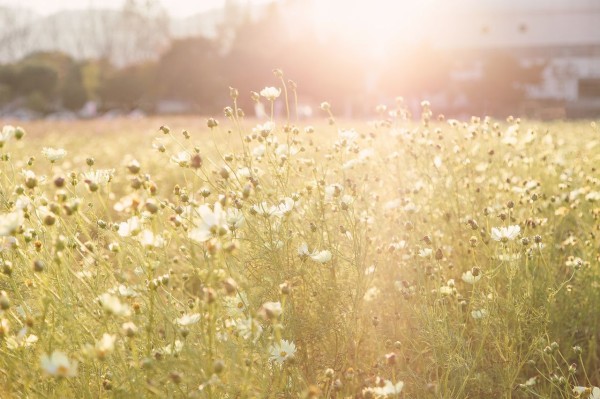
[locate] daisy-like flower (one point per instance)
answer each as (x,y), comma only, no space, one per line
(173,349)
(321,256)
(59,365)
(150,240)
(388,389)
(282,351)
(271,310)
(105,345)
(112,305)
(469,278)
(479,314)
(130,227)
(182,159)
(6,134)
(580,392)
(505,234)
(21,340)
(425,252)
(371,294)
(235,218)
(188,319)
(270,93)
(249,329)
(54,154)
(209,223)
(10,222)
(98,178)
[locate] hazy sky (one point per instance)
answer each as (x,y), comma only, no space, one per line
(175,7)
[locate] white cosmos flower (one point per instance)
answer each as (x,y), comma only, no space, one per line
(208,223)
(593,391)
(188,319)
(58,365)
(173,349)
(425,252)
(388,389)
(105,345)
(100,177)
(150,240)
(321,256)
(6,134)
(505,234)
(112,305)
(249,329)
(182,158)
(270,93)
(469,278)
(235,218)
(479,314)
(54,154)
(130,227)
(10,222)
(282,351)
(21,340)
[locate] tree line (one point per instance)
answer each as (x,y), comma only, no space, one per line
(197,71)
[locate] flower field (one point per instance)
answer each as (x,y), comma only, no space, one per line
(410,256)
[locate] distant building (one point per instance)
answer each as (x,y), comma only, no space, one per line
(564,34)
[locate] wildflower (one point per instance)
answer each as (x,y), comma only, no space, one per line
(148,239)
(182,159)
(505,234)
(425,252)
(249,329)
(371,294)
(11,222)
(21,340)
(272,310)
(173,349)
(282,351)
(129,329)
(469,278)
(388,389)
(479,314)
(54,154)
(98,178)
(270,93)
(112,305)
(235,218)
(130,227)
(210,223)
(106,345)
(7,133)
(321,256)
(235,305)
(59,365)
(188,319)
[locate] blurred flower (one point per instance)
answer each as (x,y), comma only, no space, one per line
(59,365)
(388,389)
(505,234)
(173,349)
(321,256)
(182,159)
(469,278)
(148,239)
(282,351)
(6,134)
(270,93)
(10,222)
(130,227)
(249,328)
(54,154)
(209,223)
(188,319)
(371,294)
(106,345)
(479,314)
(112,305)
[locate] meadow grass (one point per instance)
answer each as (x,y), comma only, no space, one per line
(238,259)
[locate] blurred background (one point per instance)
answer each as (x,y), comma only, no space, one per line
(68,59)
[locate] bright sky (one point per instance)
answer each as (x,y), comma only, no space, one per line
(175,7)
